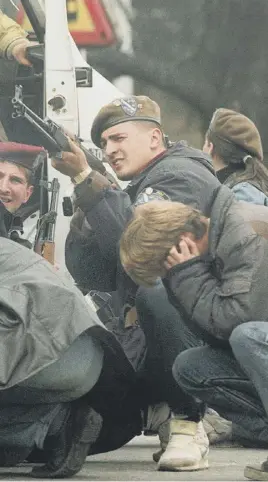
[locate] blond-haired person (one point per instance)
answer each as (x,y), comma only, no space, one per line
(155,228)
(216,274)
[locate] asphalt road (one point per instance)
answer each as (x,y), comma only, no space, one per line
(134,462)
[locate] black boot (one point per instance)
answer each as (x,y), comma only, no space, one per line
(11,456)
(69,449)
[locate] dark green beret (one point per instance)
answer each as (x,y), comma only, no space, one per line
(134,108)
(234,127)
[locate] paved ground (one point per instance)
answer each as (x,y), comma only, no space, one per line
(134,462)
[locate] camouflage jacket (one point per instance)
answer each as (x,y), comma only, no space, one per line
(10,35)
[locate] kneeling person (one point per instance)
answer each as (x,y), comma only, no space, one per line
(53,351)
(17,178)
(216,273)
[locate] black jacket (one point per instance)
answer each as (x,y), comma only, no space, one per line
(181,174)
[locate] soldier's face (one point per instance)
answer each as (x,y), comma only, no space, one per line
(129,147)
(14,187)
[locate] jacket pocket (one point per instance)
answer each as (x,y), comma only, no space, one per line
(234,287)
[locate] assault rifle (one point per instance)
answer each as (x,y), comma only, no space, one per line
(52,136)
(44,243)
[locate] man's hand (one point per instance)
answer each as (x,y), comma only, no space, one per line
(19,52)
(187,250)
(71,163)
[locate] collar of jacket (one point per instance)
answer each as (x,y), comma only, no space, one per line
(226,176)
(224,173)
(16,224)
(179,149)
(6,220)
(142,174)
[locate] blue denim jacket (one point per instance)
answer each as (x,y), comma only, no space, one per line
(244,191)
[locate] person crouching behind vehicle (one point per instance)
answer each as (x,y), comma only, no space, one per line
(61,371)
(215,270)
(234,144)
(17,170)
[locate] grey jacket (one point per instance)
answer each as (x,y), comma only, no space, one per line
(229,286)
(41,314)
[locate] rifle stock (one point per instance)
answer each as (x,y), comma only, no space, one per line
(48,251)
(45,236)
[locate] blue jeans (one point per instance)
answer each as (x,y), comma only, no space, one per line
(232,381)
(37,407)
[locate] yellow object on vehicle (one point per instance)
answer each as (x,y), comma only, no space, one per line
(10,34)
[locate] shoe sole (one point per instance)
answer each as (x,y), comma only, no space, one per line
(255,473)
(87,428)
(202,465)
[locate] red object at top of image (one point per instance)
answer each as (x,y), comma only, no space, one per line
(88,23)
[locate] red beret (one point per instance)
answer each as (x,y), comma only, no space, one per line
(21,154)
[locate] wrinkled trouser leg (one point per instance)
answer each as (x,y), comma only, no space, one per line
(215,377)
(249,343)
(38,406)
(166,335)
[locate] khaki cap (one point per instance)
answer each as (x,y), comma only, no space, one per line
(238,129)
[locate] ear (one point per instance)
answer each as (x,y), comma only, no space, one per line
(29,192)
(208,147)
(156,138)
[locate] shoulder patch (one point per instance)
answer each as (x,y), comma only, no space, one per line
(150,194)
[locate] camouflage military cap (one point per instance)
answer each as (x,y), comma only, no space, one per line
(125,109)
(238,129)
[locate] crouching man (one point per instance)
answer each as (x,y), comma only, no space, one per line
(55,357)
(17,179)
(216,273)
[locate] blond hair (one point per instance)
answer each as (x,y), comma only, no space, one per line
(148,238)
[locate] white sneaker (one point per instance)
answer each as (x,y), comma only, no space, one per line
(218,430)
(187,449)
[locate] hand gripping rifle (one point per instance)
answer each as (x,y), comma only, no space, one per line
(53,138)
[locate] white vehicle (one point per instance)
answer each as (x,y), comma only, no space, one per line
(73,92)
